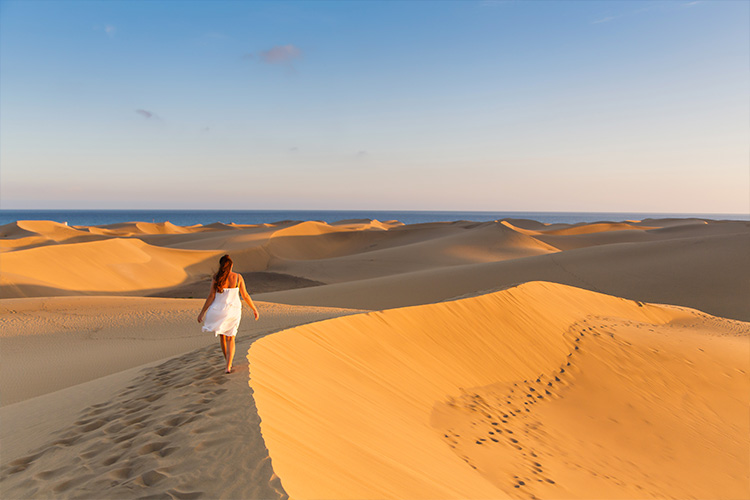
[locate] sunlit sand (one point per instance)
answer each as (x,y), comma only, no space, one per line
(443,360)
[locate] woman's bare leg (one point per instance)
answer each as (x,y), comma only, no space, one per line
(230,353)
(224,345)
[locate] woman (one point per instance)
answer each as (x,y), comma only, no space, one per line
(223,307)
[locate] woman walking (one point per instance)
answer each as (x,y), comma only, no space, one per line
(223,307)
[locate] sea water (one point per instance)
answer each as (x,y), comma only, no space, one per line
(192,217)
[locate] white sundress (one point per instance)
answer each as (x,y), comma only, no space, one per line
(224,313)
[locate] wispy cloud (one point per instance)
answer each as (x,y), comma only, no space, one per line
(360,154)
(688,4)
(108,29)
(280,54)
(146,114)
(603,20)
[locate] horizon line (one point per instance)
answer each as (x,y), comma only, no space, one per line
(362,210)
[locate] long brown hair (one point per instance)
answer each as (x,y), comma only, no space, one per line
(222,275)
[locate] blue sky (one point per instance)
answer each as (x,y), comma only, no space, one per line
(473,105)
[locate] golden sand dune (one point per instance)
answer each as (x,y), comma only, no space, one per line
(362,224)
(29,234)
(581,238)
(51,230)
(141,228)
(140,257)
(409,250)
(707,273)
(107,266)
(541,390)
(39,258)
(486,242)
(599,228)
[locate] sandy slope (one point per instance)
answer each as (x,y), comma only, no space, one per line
(89,412)
(540,390)
(48,344)
(181,430)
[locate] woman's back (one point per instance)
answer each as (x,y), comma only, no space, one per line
(232,282)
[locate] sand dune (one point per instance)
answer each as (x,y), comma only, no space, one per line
(108,266)
(491,397)
(108,393)
(48,229)
(704,273)
(47,259)
(141,228)
(29,234)
(426,248)
(598,228)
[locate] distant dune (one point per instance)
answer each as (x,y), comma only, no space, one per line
(689,262)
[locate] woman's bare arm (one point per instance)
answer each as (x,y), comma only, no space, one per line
(246,297)
(207,304)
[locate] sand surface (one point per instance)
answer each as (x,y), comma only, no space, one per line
(115,395)
(109,388)
(537,391)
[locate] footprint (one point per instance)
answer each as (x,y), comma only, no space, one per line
(93,425)
(48,474)
(167,451)
(71,483)
(93,451)
(121,473)
(151,447)
(110,460)
(66,442)
(164,431)
(126,437)
(151,477)
(185,495)
(153,397)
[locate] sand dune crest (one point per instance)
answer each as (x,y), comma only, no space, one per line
(107,266)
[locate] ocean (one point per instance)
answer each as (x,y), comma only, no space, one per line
(192,217)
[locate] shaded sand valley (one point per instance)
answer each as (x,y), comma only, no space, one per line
(505,359)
